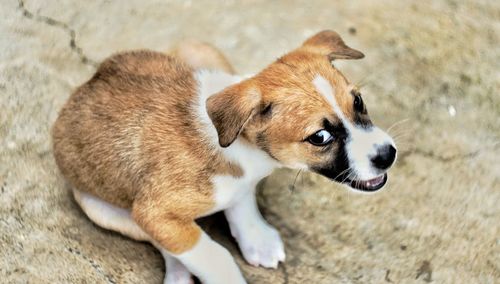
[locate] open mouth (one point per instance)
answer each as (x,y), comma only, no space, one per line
(370,185)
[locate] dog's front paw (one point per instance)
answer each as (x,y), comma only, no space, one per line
(260,245)
(177,273)
(178,278)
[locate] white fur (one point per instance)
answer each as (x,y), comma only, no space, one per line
(211,262)
(259,242)
(362,143)
(118,219)
(255,164)
(177,273)
(109,216)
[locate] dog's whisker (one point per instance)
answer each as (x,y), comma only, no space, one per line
(356,181)
(396,130)
(396,124)
(292,188)
(401,133)
(348,177)
(403,147)
(344,179)
(342,172)
(352,176)
(402,138)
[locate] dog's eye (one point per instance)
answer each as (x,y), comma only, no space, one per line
(358,103)
(320,138)
(266,111)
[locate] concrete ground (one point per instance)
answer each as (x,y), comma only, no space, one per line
(432,71)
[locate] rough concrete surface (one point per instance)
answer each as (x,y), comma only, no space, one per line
(432,71)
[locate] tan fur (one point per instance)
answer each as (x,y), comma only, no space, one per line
(130,137)
(202,55)
(231,108)
(330,43)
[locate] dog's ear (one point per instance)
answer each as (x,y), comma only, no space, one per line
(329,43)
(230,109)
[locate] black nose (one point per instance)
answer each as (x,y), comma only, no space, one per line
(385,157)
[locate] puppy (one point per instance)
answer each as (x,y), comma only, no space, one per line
(150,144)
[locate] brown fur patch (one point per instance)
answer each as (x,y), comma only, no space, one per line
(231,108)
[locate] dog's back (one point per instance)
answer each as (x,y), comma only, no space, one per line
(106,148)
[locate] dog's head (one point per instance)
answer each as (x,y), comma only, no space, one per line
(305,114)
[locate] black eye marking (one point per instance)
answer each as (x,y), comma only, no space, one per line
(359,105)
(266,110)
(337,130)
(320,138)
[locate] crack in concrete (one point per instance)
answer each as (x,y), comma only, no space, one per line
(55,23)
(386,278)
(285,273)
(425,269)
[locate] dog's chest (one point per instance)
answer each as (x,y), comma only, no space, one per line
(256,165)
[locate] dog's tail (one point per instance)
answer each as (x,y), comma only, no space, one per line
(201,55)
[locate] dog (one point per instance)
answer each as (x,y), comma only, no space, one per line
(152,142)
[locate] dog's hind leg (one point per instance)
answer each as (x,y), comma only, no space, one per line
(117,219)
(109,216)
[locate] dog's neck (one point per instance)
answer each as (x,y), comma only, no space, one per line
(255,163)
